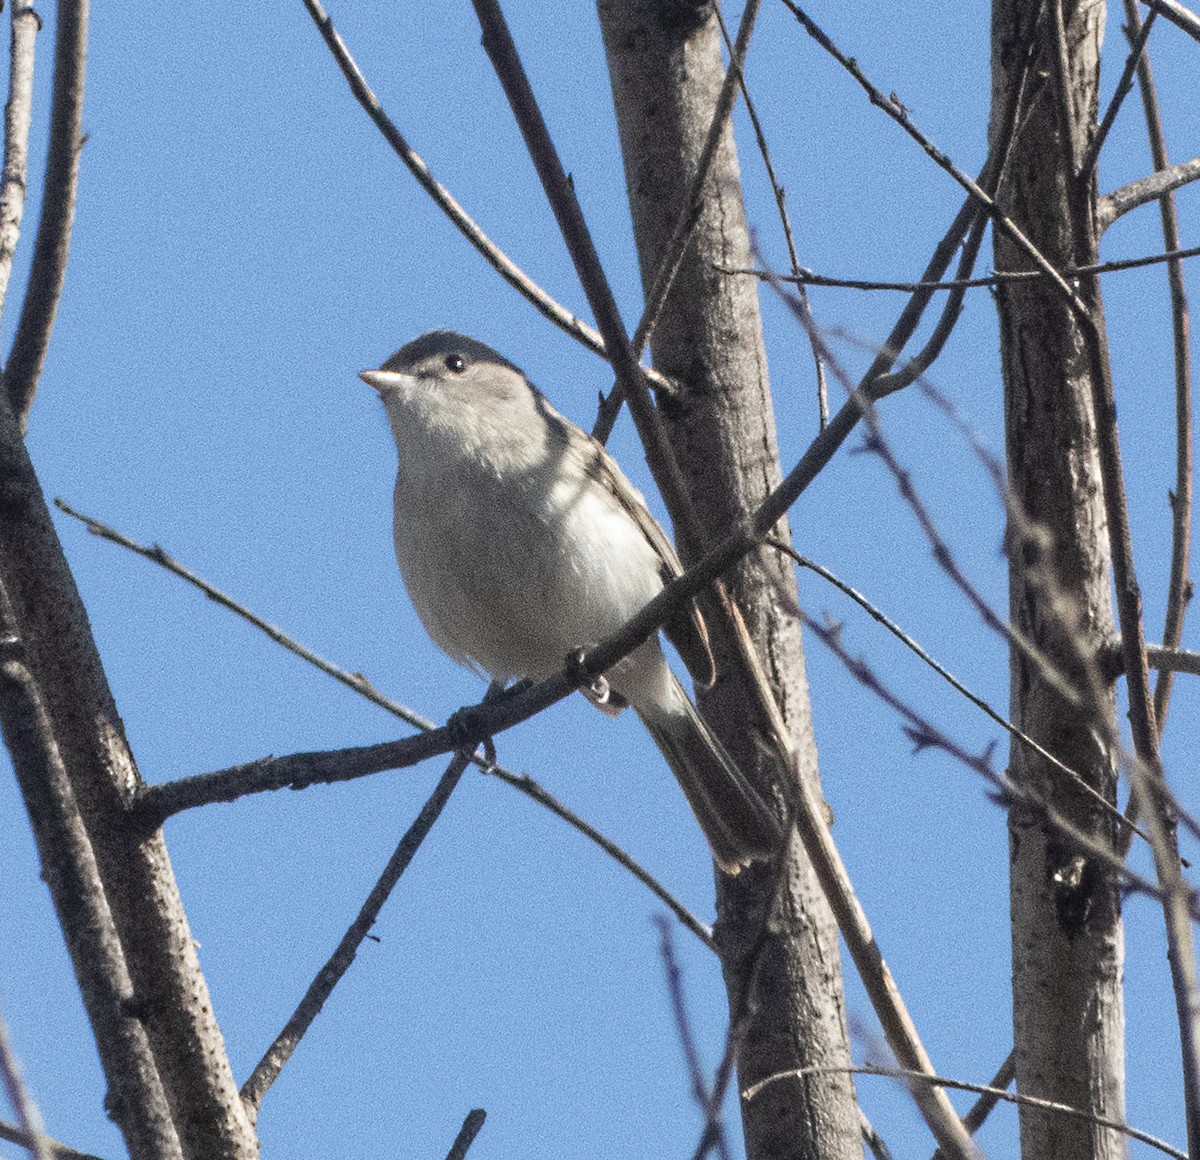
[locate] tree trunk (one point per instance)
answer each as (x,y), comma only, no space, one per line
(171,1089)
(1067,945)
(666,69)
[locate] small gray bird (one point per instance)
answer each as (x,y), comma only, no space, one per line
(519,540)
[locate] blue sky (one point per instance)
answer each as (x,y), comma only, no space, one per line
(245,243)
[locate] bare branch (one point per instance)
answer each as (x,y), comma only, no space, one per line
(24,366)
(26,24)
(1179,586)
(1147,770)
(809,278)
(780,206)
(804,562)
(1137,49)
(982,1107)
(466,225)
(1178,15)
(58,1151)
(925,735)
(687,1040)
(29,1121)
(498,43)
(267,1069)
(1152,188)
(156,555)
(466,1134)
(69,867)
(359,684)
(996,1092)
(675,248)
(539,794)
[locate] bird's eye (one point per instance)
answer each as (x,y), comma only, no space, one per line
(455,363)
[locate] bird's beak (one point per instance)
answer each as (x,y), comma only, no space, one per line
(381,380)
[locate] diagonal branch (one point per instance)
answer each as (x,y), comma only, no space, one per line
(24,366)
(1145,189)
(781,208)
(466,1134)
(999,278)
(1178,15)
(29,1120)
(1147,773)
(1137,51)
(359,684)
(882,618)
(70,870)
(675,248)
(498,43)
(466,225)
(268,1068)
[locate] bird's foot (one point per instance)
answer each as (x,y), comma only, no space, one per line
(464,724)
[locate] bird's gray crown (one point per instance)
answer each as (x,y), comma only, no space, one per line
(442,342)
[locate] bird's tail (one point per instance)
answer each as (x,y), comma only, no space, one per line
(738,824)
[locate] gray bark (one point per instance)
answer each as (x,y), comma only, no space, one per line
(666,69)
(1067,944)
(112,884)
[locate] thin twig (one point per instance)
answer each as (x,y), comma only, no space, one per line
(24,366)
(982,1107)
(1137,48)
(876,443)
(26,24)
(445,201)
(29,1122)
(1178,15)
(916,366)
(156,555)
(935,738)
(673,251)
(785,220)
(560,193)
(267,1069)
(683,1029)
(1146,772)
(15,1135)
(874,1141)
(526,785)
(962,1085)
(1179,586)
(364,688)
(466,1134)
(809,278)
(925,735)
(898,113)
(744,1005)
(899,633)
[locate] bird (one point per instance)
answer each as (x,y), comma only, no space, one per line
(519,540)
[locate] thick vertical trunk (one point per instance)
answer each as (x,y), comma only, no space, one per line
(666,69)
(113,887)
(1067,945)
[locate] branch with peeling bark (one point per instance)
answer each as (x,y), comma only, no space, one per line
(1146,189)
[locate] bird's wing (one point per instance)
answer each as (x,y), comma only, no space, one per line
(685,629)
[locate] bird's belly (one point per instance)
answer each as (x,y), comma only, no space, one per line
(511,586)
